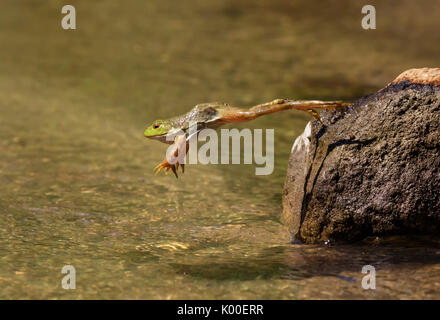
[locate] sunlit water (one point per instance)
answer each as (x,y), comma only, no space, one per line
(76,180)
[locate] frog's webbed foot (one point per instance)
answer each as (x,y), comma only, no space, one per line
(166,166)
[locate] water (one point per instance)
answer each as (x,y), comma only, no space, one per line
(76,180)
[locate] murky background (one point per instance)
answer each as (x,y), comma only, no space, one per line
(76,179)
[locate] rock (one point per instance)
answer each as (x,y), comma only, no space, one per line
(374,170)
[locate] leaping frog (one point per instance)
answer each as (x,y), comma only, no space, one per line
(214,114)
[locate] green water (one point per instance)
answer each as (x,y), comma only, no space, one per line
(76,179)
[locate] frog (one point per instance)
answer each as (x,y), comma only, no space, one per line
(215,114)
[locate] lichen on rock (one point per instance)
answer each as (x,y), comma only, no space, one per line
(373,170)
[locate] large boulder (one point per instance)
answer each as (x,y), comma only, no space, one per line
(373,170)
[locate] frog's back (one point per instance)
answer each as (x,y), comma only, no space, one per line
(205,112)
(208,114)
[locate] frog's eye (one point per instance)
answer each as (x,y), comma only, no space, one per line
(156,125)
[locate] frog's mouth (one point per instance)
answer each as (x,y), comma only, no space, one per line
(161,138)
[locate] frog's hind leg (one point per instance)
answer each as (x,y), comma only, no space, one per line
(312,106)
(238,114)
(234,114)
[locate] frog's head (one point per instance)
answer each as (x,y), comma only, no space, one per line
(157,130)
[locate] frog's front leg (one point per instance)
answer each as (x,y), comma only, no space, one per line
(175,155)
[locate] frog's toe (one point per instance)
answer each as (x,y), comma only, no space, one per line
(157,169)
(167,167)
(174,168)
(181,165)
(160,167)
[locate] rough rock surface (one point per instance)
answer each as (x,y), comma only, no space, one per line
(374,170)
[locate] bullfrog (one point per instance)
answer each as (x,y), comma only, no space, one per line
(215,114)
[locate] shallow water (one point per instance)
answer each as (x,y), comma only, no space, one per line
(76,181)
